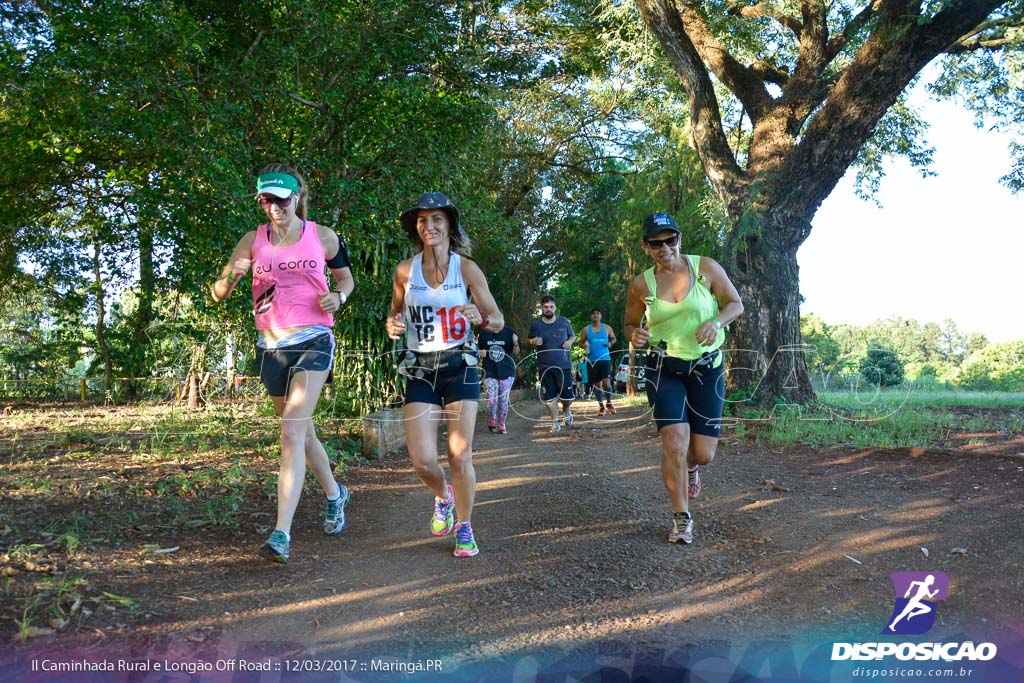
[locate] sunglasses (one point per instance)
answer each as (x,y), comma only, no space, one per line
(281,202)
(667,242)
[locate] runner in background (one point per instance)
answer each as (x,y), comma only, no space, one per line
(687,299)
(583,379)
(553,337)
(294,310)
(499,351)
(598,338)
(437,295)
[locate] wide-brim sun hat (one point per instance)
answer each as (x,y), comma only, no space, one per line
(656,223)
(430,200)
(278,184)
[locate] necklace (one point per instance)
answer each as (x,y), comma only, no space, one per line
(440,275)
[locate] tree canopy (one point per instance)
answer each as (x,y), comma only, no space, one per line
(134,130)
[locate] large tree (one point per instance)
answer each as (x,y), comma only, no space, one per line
(785,97)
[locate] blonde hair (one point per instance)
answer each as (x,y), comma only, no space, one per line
(300,206)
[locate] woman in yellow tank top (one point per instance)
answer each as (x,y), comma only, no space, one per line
(688,300)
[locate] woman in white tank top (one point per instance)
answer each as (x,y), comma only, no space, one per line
(437,295)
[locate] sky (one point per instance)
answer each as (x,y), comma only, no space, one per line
(947,246)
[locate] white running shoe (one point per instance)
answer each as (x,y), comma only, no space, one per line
(682,529)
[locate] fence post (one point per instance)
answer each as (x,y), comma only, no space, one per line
(83,390)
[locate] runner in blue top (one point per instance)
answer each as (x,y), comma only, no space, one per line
(553,337)
(597,338)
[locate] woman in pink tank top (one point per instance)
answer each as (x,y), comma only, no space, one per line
(294,309)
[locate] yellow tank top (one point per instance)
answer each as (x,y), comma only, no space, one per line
(676,323)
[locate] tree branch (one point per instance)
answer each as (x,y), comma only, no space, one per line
(662,17)
(881,70)
(852,28)
(770,73)
(741,81)
(811,61)
(978,44)
(319,106)
(761,10)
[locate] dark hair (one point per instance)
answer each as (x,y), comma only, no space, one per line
(300,206)
(546,298)
(595,310)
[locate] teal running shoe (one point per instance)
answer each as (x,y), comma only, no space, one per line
(334,515)
(276,548)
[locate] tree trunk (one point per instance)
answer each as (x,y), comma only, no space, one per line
(766,361)
(101,336)
(144,315)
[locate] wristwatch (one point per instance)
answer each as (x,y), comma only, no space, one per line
(342,297)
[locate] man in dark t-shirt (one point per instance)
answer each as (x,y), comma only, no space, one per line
(552,336)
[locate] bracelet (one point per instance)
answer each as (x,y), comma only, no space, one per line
(718,323)
(342,297)
(485,320)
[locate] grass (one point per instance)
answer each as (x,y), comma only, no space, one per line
(896,398)
(890,419)
(86,486)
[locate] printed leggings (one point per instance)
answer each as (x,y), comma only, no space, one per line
(497,398)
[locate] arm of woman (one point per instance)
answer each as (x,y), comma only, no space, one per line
(336,255)
(730,306)
(636,306)
(395,324)
(515,344)
(237,268)
(483,303)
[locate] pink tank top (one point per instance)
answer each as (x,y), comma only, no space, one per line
(285,281)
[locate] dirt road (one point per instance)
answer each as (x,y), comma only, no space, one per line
(573,555)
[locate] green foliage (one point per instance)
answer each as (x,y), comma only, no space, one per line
(999,367)
(881,366)
(823,351)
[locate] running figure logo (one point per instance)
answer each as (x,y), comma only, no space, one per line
(917,594)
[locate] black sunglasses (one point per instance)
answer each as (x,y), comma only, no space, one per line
(282,202)
(667,242)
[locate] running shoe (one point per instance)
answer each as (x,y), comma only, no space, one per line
(568,419)
(276,548)
(444,514)
(694,476)
(611,409)
(682,529)
(465,544)
(334,515)
(490,426)
(501,429)
(600,411)
(556,426)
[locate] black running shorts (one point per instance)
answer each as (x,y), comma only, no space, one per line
(687,391)
(599,370)
(278,365)
(443,387)
(557,383)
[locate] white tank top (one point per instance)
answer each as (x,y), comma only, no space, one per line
(432,322)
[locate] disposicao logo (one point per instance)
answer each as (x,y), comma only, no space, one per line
(917,596)
(913,613)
